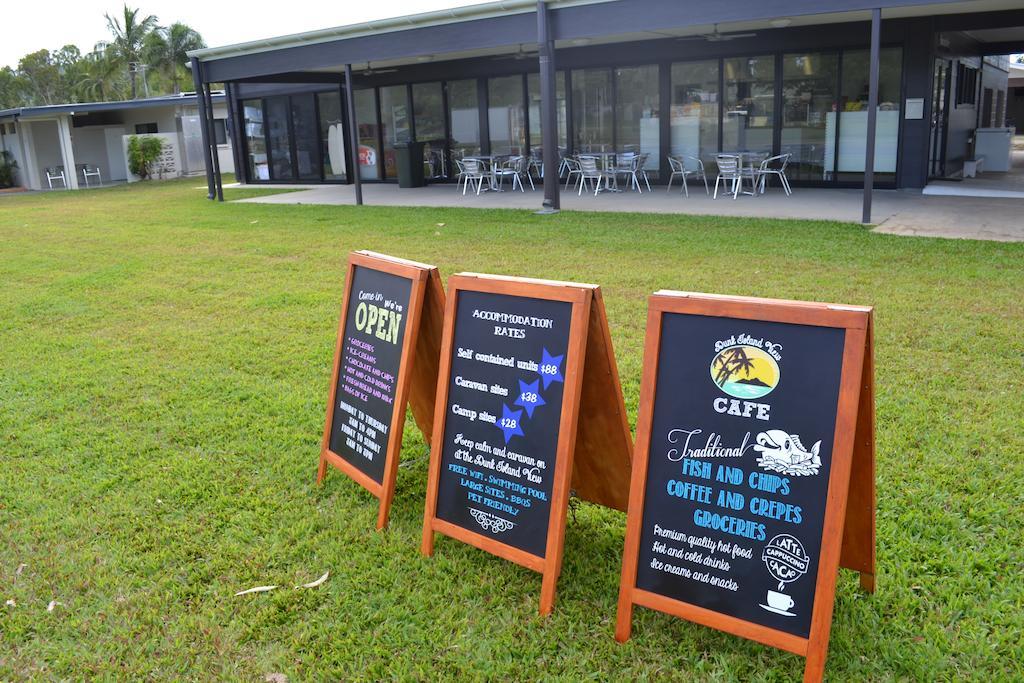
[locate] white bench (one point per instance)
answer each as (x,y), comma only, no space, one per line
(973,166)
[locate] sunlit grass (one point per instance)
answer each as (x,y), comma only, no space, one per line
(165,366)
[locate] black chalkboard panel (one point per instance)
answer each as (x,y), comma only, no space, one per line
(371,351)
(738,467)
(502,416)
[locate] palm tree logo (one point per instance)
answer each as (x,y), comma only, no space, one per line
(744,371)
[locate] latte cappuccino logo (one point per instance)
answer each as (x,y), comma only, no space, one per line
(745,371)
(786,560)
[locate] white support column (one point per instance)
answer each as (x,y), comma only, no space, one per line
(67,151)
(30,171)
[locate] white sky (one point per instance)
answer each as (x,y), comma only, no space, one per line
(30,25)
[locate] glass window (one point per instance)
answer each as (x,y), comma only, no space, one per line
(428,118)
(749,104)
(694,110)
(464,112)
(808,114)
(332,136)
(255,140)
(366,121)
(592,110)
(505,115)
(853,116)
(220,132)
(636,112)
(533,89)
(394,118)
(279,138)
(307,137)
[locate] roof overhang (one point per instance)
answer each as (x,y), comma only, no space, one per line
(51,110)
(503,27)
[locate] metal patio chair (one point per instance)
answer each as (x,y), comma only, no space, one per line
(590,171)
(678,164)
(730,170)
(641,167)
(91,172)
(774,166)
(514,168)
(573,168)
(55,174)
(473,172)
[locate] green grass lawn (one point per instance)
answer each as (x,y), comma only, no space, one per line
(164,366)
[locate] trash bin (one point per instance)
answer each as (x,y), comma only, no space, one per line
(410,163)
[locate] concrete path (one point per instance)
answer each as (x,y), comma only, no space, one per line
(901,212)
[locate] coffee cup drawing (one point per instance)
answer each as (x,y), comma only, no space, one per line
(780,601)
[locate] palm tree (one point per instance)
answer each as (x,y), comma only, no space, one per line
(98,79)
(129,37)
(167,50)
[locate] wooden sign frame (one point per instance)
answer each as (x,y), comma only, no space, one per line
(848,534)
(593,455)
(415,381)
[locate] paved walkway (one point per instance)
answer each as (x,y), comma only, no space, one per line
(901,212)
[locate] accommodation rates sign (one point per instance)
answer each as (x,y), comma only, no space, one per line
(371,352)
(502,416)
(740,453)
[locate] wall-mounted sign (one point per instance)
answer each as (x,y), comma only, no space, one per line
(528,404)
(913,108)
(386,357)
(754,454)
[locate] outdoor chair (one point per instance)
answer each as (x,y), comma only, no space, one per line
(536,163)
(678,164)
(624,164)
(460,171)
(573,169)
(91,172)
(590,171)
(774,166)
(641,168)
(729,171)
(473,172)
(514,168)
(55,174)
(563,162)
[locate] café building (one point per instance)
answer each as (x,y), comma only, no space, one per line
(878,93)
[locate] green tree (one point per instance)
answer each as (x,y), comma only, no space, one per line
(99,77)
(11,88)
(41,78)
(129,33)
(167,50)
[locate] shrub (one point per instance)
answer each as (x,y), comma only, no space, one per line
(7,168)
(143,151)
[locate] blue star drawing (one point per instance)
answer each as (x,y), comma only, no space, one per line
(550,368)
(509,423)
(529,396)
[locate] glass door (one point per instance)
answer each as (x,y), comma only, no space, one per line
(428,120)
(937,143)
(306,137)
(279,138)
(749,121)
(809,114)
(332,136)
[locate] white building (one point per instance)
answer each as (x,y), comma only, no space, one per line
(49,140)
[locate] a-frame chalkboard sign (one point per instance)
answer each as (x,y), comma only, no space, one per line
(386,356)
(529,410)
(753,475)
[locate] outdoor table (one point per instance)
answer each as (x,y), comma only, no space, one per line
(754,159)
